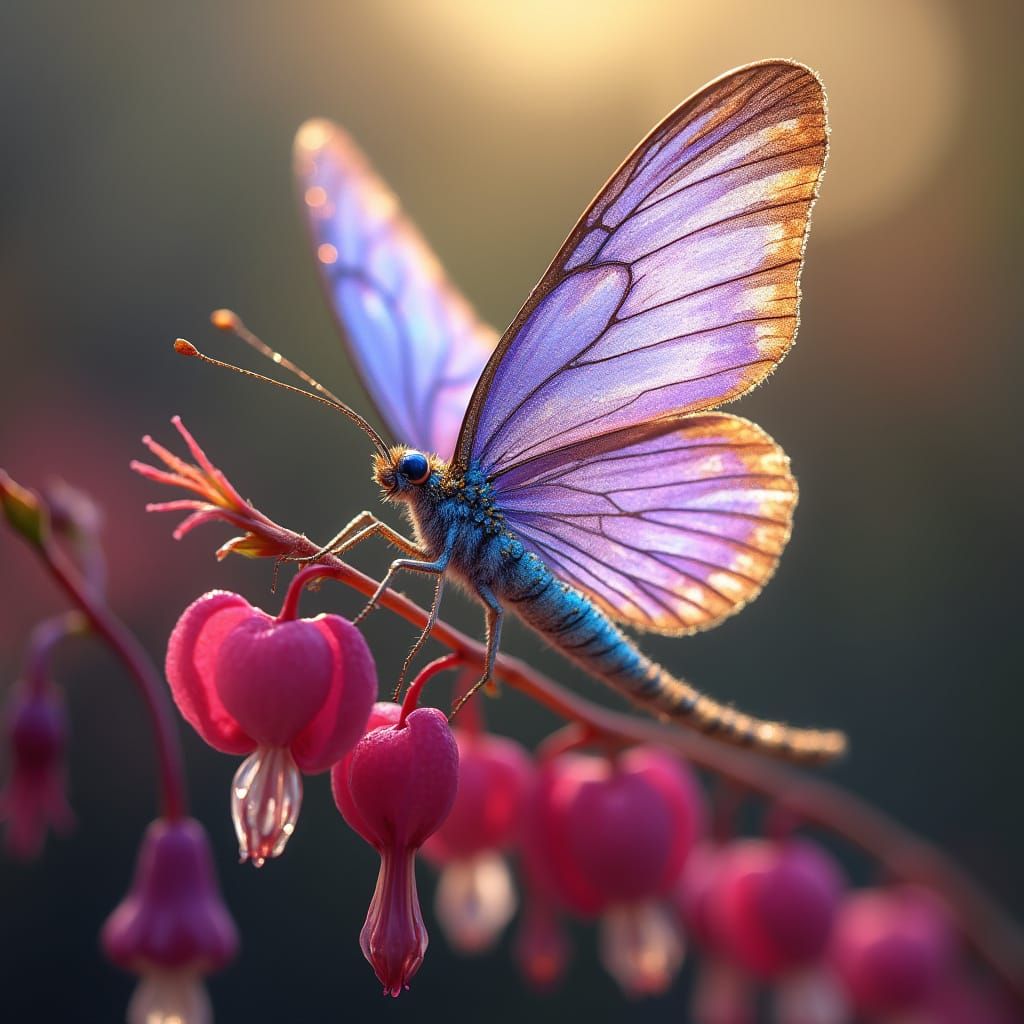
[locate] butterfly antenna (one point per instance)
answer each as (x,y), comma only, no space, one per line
(231,323)
(186,348)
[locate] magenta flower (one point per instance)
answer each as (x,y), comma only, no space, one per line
(476,896)
(775,904)
(395,789)
(172,928)
(892,948)
(34,798)
(293,695)
(617,834)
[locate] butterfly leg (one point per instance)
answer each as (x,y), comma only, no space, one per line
(495,614)
(416,647)
(363,527)
(435,568)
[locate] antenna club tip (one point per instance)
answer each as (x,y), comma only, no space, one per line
(225,320)
(185,348)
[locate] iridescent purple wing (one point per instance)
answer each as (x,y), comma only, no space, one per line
(678,288)
(670,526)
(417,344)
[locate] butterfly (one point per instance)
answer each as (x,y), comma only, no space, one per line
(573,470)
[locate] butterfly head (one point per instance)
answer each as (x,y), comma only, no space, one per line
(403,471)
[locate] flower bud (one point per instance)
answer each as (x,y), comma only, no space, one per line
(294,695)
(395,790)
(172,928)
(891,948)
(34,797)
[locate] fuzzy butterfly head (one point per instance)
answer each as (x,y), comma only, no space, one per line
(403,471)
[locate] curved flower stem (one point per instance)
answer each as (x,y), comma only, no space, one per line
(412,695)
(29,515)
(299,582)
(45,637)
(123,643)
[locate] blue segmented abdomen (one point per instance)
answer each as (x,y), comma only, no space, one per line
(574,625)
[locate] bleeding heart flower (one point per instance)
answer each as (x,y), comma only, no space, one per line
(293,694)
(476,896)
(617,834)
(34,797)
(172,928)
(892,948)
(774,904)
(395,789)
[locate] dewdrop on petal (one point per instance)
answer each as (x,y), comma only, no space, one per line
(266,797)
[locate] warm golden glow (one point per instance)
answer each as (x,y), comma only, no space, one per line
(327,253)
(593,70)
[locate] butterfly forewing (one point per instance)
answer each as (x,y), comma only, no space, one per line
(670,526)
(678,289)
(417,344)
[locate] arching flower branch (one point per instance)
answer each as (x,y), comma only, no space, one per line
(811,800)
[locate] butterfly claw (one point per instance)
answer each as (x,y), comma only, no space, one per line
(483,681)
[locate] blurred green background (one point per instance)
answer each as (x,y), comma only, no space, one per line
(145,180)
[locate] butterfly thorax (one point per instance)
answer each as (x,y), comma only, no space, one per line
(456,510)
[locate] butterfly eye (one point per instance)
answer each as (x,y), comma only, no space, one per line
(415,467)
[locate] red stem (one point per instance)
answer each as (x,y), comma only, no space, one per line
(412,695)
(319,571)
(149,683)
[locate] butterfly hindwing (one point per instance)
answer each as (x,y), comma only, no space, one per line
(670,526)
(417,344)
